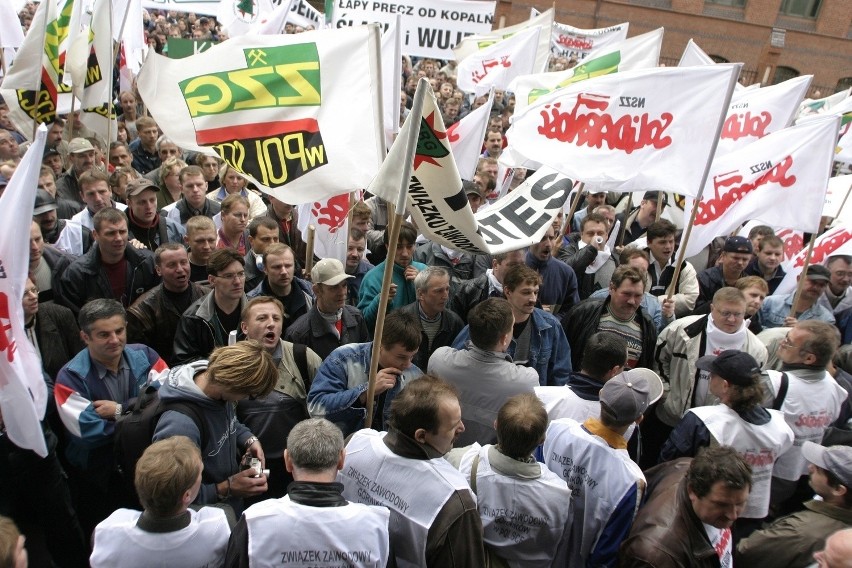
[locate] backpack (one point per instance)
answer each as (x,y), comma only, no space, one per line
(134,431)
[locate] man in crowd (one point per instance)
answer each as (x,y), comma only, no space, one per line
(112,268)
(91,392)
(484,374)
(607,487)
(271,418)
(679,347)
(46,265)
(640,218)
(120,157)
(837,552)
(285,216)
(538,339)
(405,269)
(209,320)
(167,479)
(755,289)
(558,288)
(153,318)
(588,254)
(194,201)
(207,392)
(838,294)
(356,265)
(810,399)
(777,310)
(439,325)
(767,262)
(262,232)
(201,239)
(488,285)
(620,313)
(687,517)
(82,158)
(314,509)
(281,283)
(736,254)
(793,540)
(511,485)
(339,389)
(330,323)
(434,521)
(145,224)
(96,195)
(661,245)
(144,148)
(594,199)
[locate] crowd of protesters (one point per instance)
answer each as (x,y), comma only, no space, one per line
(581,402)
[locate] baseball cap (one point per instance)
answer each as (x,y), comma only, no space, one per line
(329,271)
(140,184)
(595,191)
(50,152)
(44,202)
(627,396)
(655,196)
(470,187)
(836,459)
(818,272)
(738,244)
(736,367)
(78,145)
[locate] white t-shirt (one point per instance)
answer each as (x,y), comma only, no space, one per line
(720,539)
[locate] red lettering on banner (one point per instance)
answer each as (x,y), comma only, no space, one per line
(574,42)
(333,213)
(714,208)
(7,343)
(793,242)
(487,64)
(741,125)
(451,133)
(762,458)
(627,133)
(824,248)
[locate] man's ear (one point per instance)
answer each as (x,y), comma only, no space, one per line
(288,462)
(340,460)
(420,435)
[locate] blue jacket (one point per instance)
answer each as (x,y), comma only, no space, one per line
(79,377)
(371,290)
(558,287)
(339,382)
(550,354)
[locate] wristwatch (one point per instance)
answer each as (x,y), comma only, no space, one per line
(251,441)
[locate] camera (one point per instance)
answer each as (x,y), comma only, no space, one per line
(250,462)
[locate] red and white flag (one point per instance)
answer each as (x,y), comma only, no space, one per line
(628,131)
(754,113)
(780,179)
(331,225)
(465,137)
(834,242)
(496,65)
(23,392)
(474,43)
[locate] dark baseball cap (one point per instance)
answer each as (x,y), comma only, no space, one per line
(44,202)
(818,272)
(655,196)
(140,184)
(738,244)
(733,365)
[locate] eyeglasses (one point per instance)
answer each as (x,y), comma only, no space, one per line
(731,315)
(232,276)
(787,344)
(33,290)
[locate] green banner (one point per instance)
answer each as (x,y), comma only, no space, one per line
(178,48)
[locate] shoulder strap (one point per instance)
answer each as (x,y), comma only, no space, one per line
(163,229)
(473,469)
(300,354)
(190,410)
(782,392)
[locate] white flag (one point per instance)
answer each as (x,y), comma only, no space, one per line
(239,17)
(780,179)
(391,79)
(127,27)
(472,44)
(92,73)
(77,20)
(304,15)
(331,225)
(273,23)
(498,64)
(694,55)
(23,392)
(825,104)
(754,113)
(844,143)
(466,136)
(11,34)
(838,187)
(640,52)
(279,109)
(569,41)
(834,242)
(628,131)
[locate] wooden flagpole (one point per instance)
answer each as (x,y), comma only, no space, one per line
(309,255)
(660,199)
(626,216)
(395,215)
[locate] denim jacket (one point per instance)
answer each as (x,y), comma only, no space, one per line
(776,308)
(550,354)
(339,382)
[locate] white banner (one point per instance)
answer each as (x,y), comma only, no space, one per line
(466,136)
(825,104)
(639,52)
(694,55)
(391,79)
(430,28)
(498,64)
(628,131)
(203,7)
(569,41)
(305,15)
(23,392)
(470,45)
(278,109)
(331,225)
(834,242)
(11,34)
(754,113)
(438,205)
(780,179)
(838,188)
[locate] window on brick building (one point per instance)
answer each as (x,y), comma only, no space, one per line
(737,3)
(843,84)
(718,59)
(802,8)
(783,73)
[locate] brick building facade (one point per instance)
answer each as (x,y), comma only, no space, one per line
(817,33)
